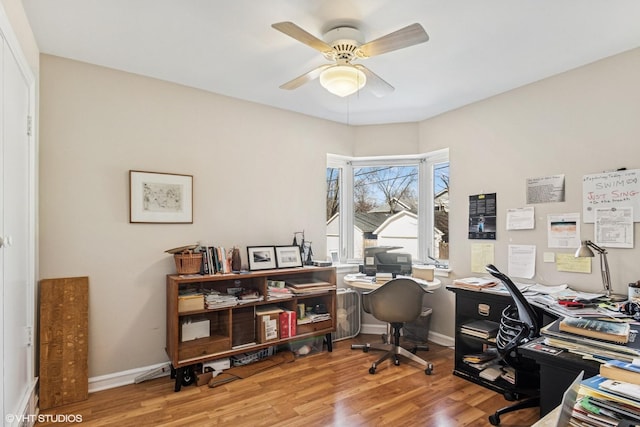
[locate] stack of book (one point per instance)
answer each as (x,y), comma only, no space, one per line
(603,339)
(604,400)
(485,329)
(482,360)
(304,287)
(216,260)
(617,332)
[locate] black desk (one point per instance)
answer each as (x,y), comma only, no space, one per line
(556,373)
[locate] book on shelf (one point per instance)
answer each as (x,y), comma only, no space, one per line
(212,261)
(475,283)
(491,373)
(485,356)
(480,328)
(508,374)
(617,332)
(306,283)
(288,324)
(600,388)
(204,267)
(305,286)
(622,388)
(621,371)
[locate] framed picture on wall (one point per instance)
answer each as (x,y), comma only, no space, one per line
(157,197)
(261,257)
(288,256)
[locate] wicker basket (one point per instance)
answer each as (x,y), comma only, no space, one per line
(188,263)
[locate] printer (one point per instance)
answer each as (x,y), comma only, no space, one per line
(379,259)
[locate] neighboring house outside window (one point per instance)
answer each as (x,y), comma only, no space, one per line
(384,211)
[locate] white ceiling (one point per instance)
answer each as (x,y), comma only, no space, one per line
(477,48)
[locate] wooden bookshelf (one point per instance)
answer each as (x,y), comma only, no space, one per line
(232,330)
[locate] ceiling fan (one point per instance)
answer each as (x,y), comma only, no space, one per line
(343,46)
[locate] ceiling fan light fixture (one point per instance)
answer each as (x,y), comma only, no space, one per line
(343,80)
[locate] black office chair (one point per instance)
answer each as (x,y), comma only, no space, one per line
(518,325)
(396,302)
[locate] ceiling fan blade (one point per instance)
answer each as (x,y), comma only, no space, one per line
(404,37)
(292,30)
(378,86)
(305,78)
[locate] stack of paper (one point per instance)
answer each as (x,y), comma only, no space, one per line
(214,299)
(476,283)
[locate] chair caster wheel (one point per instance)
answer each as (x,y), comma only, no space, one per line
(365,349)
(372,370)
(494,419)
(396,362)
(414,350)
(429,369)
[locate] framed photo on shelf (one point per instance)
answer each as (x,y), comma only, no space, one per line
(288,256)
(261,257)
(157,197)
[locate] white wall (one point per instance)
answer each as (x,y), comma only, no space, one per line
(580,122)
(259,175)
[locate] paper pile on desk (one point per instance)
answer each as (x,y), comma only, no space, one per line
(592,347)
(475,283)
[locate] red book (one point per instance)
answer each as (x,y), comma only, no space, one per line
(287,324)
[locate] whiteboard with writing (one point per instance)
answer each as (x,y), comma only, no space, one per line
(611,190)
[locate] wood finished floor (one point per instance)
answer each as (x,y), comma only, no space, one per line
(324,389)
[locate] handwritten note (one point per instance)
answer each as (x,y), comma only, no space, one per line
(568,262)
(609,190)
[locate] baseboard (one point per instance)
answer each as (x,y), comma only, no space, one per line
(28,409)
(434,337)
(117,379)
(440,339)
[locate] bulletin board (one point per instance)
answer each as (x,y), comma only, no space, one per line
(611,190)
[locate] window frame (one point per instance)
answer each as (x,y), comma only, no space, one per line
(425,163)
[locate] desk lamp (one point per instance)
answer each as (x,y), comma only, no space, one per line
(585,251)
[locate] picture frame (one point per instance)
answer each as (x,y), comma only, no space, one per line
(157,197)
(288,256)
(261,257)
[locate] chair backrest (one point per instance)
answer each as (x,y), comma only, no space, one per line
(397,301)
(519,325)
